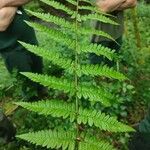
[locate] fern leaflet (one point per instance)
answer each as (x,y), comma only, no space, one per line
(57,108)
(51,139)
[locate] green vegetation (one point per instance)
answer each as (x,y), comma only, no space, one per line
(69,116)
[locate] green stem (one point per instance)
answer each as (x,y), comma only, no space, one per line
(136,28)
(76,75)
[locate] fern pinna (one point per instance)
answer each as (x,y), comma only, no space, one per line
(74,138)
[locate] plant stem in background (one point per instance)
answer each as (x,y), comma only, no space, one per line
(136,28)
(76,75)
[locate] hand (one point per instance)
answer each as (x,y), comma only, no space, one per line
(2,4)
(12,3)
(7,15)
(128,4)
(107,6)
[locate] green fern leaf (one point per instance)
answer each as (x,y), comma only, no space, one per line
(97,70)
(51,139)
(59,6)
(55,58)
(86,8)
(51,82)
(91,142)
(98,17)
(98,50)
(59,37)
(102,121)
(53,19)
(66,24)
(93,94)
(51,55)
(54,34)
(92,7)
(55,108)
(60,139)
(95,10)
(89,31)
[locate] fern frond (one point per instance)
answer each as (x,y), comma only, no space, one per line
(59,6)
(90,8)
(51,82)
(51,55)
(61,38)
(94,94)
(54,34)
(91,142)
(97,70)
(58,36)
(55,58)
(66,24)
(63,23)
(55,108)
(53,19)
(61,139)
(89,31)
(98,17)
(102,121)
(51,139)
(98,50)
